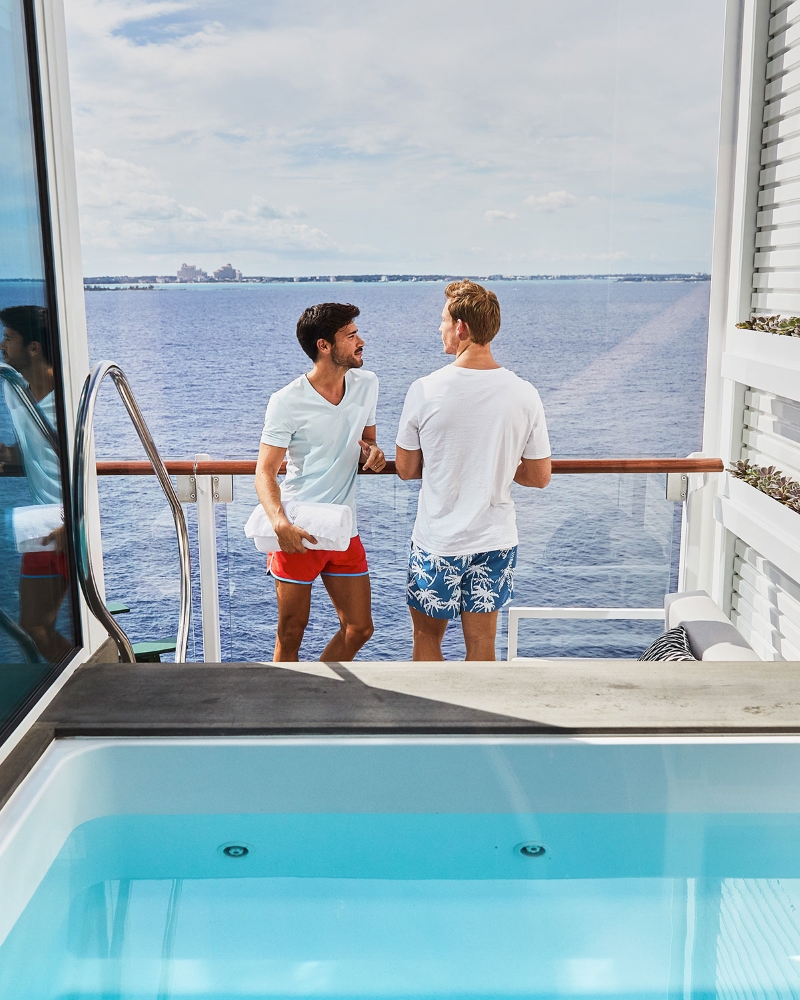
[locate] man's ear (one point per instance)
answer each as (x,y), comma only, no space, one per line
(462,330)
(323,346)
(34,348)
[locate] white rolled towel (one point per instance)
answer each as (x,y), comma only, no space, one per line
(330,523)
(33,524)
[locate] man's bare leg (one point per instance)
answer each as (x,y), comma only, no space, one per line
(294,605)
(40,598)
(480,630)
(428,635)
(351,597)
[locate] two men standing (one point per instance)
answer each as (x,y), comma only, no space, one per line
(467,431)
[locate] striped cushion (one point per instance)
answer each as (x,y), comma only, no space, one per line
(670,645)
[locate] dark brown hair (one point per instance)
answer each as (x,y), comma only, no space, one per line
(30,322)
(321,323)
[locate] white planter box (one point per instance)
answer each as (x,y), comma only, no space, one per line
(765,361)
(769,527)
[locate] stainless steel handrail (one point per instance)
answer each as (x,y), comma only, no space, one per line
(22,389)
(83,441)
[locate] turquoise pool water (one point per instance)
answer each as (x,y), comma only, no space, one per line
(427,905)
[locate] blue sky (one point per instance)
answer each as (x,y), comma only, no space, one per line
(20,246)
(365,136)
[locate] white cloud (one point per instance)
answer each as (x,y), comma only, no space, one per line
(298,104)
(497,216)
(551,202)
(106,182)
(127,205)
(263,224)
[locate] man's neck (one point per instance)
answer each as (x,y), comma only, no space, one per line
(478,356)
(328,380)
(40,379)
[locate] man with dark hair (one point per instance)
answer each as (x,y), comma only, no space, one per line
(467,431)
(43,575)
(31,326)
(323,423)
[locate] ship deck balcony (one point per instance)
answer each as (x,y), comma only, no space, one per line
(607,534)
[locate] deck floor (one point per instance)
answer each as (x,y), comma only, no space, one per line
(568,697)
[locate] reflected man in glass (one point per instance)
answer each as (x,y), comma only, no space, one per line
(25,346)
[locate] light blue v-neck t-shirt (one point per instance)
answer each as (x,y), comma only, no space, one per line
(321,440)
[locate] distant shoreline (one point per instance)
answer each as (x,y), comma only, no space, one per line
(151,281)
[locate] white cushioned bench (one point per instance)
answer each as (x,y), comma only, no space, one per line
(712,636)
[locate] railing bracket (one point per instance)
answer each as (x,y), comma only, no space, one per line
(677,486)
(221,486)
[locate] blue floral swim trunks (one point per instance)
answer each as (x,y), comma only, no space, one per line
(444,586)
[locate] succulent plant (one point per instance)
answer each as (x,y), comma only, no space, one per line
(789,327)
(771,481)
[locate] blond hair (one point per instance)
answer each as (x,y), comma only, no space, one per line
(476,306)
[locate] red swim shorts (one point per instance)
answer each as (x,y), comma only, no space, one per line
(298,567)
(40,564)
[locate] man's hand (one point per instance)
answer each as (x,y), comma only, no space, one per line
(372,457)
(8,456)
(59,536)
(290,537)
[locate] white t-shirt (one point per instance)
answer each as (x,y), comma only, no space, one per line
(41,464)
(473,427)
(321,439)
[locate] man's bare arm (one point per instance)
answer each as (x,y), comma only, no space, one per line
(408,463)
(290,537)
(534,472)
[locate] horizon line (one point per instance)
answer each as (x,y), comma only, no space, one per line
(386,277)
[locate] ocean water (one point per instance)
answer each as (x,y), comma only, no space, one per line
(374,905)
(620,367)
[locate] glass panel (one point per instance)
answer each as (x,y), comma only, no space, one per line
(36,617)
(586,541)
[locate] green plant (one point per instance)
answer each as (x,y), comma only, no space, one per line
(771,481)
(789,327)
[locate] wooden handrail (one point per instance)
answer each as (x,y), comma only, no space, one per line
(561,466)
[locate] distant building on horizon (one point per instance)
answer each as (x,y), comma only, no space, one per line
(227,273)
(189,272)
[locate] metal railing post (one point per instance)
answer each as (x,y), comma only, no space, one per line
(513,632)
(586,614)
(209,576)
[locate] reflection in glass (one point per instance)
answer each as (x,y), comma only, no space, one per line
(36,622)
(39,531)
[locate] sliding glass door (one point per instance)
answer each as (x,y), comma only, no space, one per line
(38,620)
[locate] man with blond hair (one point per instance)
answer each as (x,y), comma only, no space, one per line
(467,431)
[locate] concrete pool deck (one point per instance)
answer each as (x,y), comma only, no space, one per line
(565,697)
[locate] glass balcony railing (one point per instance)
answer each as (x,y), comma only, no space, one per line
(601,537)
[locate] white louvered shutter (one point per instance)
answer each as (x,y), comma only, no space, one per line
(765,602)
